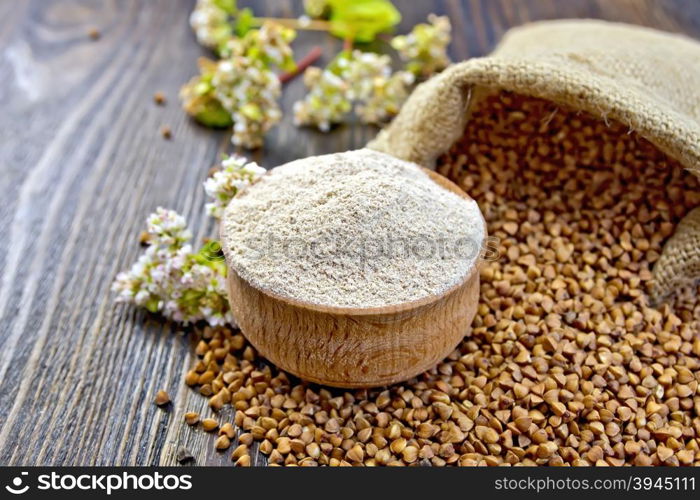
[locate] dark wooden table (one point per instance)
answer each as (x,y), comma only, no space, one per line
(82,163)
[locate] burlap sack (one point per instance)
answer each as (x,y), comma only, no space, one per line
(640,77)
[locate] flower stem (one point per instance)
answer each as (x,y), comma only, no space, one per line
(347,44)
(303,63)
(310,25)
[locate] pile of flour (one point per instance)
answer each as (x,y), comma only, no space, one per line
(353,229)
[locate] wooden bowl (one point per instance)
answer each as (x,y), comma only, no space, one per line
(356,347)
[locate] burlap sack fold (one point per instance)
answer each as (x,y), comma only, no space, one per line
(646,79)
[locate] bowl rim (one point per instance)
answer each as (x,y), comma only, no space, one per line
(399,307)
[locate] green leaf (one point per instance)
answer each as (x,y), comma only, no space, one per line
(152,304)
(362,20)
(212,255)
(210,252)
(228,6)
(190,298)
(244,21)
(214,115)
(414,67)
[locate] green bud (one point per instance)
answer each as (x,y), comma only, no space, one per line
(214,115)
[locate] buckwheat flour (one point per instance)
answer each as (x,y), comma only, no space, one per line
(353,229)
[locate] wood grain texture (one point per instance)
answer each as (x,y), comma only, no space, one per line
(356,346)
(82,163)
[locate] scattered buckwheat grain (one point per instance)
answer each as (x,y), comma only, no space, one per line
(159,98)
(566,364)
(192,418)
(161,398)
(209,424)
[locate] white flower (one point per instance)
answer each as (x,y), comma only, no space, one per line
(169,278)
(248,90)
(425,48)
(385,97)
(141,297)
(210,24)
(242,87)
(235,174)
(362,81)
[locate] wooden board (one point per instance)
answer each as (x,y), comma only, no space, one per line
(82,163)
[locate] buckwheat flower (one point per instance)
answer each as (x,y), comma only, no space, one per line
(425,48)
(167,228)
(327,101)
(248,90)
(242,88)
(362,68)
(312,75)
(199,99)
(377,92)
(235,174)
(171,279)
(385,98)
(211,23)
(360,80)
(270,45)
